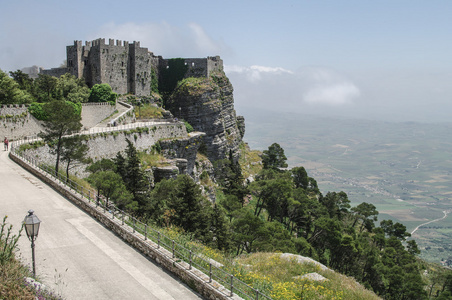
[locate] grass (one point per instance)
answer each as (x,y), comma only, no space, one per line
(277,278)
(250,160)
(153,159)
(281,279)
(148,112)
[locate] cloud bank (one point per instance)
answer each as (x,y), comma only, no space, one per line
(309,86)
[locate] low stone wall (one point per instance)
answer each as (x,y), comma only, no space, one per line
(193,277)
(94,113)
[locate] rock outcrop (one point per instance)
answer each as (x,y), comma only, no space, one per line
(207,104)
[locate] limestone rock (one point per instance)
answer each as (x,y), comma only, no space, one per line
(303,260)
(313,277)
(161,173)
(208,105)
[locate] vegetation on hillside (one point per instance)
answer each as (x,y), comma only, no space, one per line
(282,210)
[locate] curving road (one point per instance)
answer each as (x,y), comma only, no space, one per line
(445,212)
(76,255)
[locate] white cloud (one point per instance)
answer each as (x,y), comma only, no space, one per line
(255,73)
(165,39)
(281,88)
(334,94)
(325,86)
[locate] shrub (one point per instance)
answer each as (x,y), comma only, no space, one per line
(102,93)
(37,111)
(189,127)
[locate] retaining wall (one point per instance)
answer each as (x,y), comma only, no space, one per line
(108,144)
(16,123)
(94,113)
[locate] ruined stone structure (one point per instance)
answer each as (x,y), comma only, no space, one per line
(126,67)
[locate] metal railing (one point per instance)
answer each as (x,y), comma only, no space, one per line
(178,252)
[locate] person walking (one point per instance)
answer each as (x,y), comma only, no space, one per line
(5,143)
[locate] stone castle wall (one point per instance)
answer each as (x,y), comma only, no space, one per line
(126,67)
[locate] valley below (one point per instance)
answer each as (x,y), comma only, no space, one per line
(404,169)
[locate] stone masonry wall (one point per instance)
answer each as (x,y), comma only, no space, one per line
(163,257)
(108,144)
(16,122)
(93,113)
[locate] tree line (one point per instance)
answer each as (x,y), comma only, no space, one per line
(19,88)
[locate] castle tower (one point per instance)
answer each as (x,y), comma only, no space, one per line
(74,59)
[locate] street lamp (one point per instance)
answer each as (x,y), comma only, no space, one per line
(31,223)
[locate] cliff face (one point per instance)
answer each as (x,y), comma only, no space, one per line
(208,105)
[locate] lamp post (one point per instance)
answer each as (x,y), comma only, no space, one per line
(31,223)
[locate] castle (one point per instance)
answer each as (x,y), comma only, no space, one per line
(126,67)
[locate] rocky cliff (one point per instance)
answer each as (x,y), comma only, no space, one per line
(208,105)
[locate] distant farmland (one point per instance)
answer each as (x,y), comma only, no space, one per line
(404,169)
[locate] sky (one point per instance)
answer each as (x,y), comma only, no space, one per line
(383,60)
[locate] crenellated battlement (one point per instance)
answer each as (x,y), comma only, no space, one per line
(126,67)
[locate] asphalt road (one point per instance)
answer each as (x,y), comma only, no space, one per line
(76,255)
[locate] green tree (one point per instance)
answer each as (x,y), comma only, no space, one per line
(72,89)
(157,206)
(337,204)
(103,164)
(229,175)
(110,185)
(366,213)
(278,239)
(248,230)
(302,180)
(396,230)
(219,229)
(73,150)
(102,93)
(63,120)
(274,157)
(134,177)
(46,88)
(24,81)
(10,92)
(191,209)
(120,165)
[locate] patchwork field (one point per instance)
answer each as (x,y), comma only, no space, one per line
(404,169)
